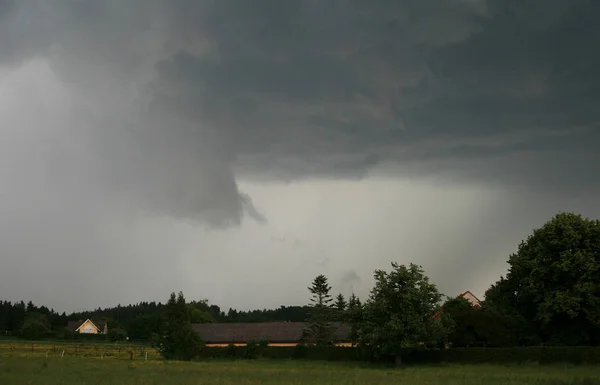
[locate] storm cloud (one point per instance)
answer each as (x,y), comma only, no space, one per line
(136,131)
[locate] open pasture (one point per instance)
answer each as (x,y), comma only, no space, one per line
(88,370)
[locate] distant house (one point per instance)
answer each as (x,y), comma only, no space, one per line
(471,298)
(466,295)
(275,333)
(88,327)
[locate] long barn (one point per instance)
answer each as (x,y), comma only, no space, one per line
(275,333)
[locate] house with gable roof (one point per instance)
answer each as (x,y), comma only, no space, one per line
(466,295)
(88,327)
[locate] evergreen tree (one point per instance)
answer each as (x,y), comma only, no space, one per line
(319,329)
(354,316)
(179,340)
(340,307)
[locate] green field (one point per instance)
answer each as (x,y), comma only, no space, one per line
(86,370)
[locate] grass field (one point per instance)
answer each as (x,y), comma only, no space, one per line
(52,349)
(82,370)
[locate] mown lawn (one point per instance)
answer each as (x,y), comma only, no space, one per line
(73,370)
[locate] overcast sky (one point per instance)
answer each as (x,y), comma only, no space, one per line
(236,149)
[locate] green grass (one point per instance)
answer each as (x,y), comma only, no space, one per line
(74,370)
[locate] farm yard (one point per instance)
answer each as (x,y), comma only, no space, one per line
(80,370)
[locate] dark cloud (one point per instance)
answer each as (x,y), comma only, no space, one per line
(477,83)
(164,107)
(315,88)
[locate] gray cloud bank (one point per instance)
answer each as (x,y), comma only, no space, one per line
(164,105)
(331,89)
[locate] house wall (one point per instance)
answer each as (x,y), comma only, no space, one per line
(471,298)
(88,328)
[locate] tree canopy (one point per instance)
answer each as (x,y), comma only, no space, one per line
(399,311)
(178,339)
(553,283)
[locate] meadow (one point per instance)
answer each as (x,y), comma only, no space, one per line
(88,370)
(66,349)
(61,362)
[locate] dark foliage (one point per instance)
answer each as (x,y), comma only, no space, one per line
(178,339)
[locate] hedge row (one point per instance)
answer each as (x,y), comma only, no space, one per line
(330,353)
(540,355)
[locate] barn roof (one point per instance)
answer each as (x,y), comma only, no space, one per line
(273,332)
(74,325)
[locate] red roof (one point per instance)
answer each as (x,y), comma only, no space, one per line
(475,302)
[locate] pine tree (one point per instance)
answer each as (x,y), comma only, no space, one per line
(319,329)
(340,307)
(179,340)
(354,316)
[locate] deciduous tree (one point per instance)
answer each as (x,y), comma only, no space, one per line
(35,326)
(553,282)
(399,311)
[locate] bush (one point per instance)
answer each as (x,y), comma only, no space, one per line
(417,356)
(34,329)
(117,334)
(570,354)
(332,353)
(232,351)
(299,351)
(279,352)
(252,350)
(515,355)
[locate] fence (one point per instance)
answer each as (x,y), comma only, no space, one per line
(92,350)
(128,351)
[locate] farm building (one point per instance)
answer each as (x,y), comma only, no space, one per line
(275,333)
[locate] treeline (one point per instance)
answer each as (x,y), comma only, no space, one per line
(137,321)
(12,316)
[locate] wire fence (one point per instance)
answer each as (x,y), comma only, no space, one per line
(91,350)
